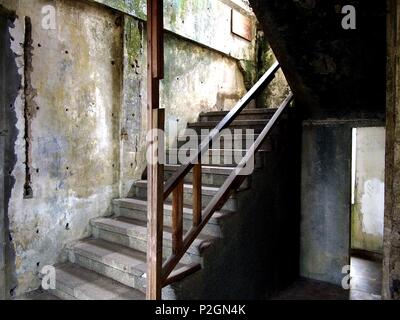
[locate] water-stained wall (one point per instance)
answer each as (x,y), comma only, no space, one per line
(67,111)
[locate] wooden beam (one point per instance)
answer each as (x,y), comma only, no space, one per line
(155,169)
(155,32)
(177,219)
(197,207)
(182,273)
(155,207)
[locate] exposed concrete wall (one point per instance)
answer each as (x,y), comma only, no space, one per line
(196,80)
(9,83)
(67,111)
(3,32)
(368,207)
(391,253)
(278,90)
(206,22)
(205,71)
(325,201)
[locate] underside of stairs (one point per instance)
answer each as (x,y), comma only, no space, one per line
(232,249)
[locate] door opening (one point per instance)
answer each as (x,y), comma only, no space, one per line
(367,212)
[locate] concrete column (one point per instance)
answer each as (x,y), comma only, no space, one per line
(391,241)
(325,201)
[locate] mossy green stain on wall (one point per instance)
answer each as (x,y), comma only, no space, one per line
(134,39)
(136,7)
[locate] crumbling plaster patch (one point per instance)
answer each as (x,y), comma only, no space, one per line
(75,151)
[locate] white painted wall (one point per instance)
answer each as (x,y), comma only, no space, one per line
(368,207)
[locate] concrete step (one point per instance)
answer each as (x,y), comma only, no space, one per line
(139,191)
(76,283)
(125,265)
(248,114)
(229,141)
(216,157)
(133,234)
(211,175)
(137,209)
(256,125)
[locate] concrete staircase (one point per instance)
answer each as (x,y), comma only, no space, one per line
(111,264)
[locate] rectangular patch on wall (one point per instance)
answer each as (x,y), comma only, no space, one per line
(242,26)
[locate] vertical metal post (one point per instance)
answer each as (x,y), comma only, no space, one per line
(155,170)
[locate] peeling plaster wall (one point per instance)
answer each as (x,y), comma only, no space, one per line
(9,82)
(368,207)
(75,97)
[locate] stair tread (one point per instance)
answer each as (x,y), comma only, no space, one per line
(185,185)
(133,227)
(187,210)
(221,150)
(244,112)
(84,284)
(120,257)
(234,123)
(114,255)
(205,169)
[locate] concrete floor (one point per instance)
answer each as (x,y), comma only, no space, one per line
(37,295)
(366,283)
